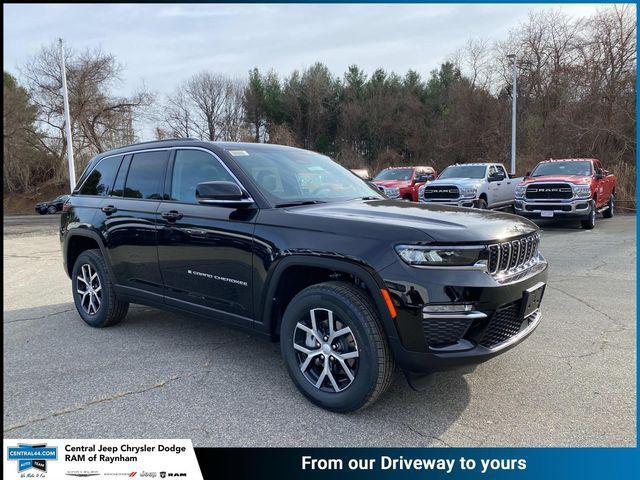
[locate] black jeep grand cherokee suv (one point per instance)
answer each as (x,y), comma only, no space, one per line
(287,243)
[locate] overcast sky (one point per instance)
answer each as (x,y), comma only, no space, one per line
(161,45)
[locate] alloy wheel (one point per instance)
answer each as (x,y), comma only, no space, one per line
(327,351)
(89,289)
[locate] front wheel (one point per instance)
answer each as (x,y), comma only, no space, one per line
(52,209)
(334,347)
(93,292)
(590,222)
(482,204)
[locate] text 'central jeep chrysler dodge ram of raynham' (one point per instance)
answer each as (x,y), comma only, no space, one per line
(287,243)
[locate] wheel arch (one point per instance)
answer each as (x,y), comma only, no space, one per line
(79,241)
(292,274)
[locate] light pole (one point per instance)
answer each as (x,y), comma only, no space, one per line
(512,57)
(67,121)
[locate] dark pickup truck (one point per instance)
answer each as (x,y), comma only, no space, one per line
(286,243)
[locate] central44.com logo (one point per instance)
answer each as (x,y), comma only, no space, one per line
(32,456)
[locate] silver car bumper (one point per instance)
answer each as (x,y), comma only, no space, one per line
(461,202)
(541,208)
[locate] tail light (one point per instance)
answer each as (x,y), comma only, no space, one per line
(66,206)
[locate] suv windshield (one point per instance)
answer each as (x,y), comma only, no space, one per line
(463,171)
(403,174)
(562,168)
(290,175)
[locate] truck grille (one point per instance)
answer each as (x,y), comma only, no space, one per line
(440,333)
(549,191)
(441,192)
(504,324)
(513,256)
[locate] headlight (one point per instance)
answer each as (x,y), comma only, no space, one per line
(440,256)
(582,191)
(421,191)
(520,189)
(469,192)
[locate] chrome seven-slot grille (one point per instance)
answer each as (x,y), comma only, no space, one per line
(549,191)
(513,256)
(441,192)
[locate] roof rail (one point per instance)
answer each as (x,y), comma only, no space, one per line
(166,140)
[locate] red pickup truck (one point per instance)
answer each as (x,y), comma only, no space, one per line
(576,188)
(403,182)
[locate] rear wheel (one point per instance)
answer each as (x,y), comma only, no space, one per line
(590,222)
(93,292)
(608,213)
(334,347)
(52,209)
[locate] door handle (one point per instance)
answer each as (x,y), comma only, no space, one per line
(172,215)
(109,209)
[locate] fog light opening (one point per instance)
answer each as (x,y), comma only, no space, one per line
(449,308)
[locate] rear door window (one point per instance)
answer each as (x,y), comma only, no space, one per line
(100,180)
(145,179)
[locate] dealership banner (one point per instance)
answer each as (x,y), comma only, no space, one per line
(171,458)
(99,459)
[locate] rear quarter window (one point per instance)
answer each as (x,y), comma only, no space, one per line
(100,181)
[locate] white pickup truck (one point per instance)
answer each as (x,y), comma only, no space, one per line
(480,185)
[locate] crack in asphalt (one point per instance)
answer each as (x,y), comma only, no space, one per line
(116,396)
(34,256)
(40,317)
(424,435)
(604,314)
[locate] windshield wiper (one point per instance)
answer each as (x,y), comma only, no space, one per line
(300,202)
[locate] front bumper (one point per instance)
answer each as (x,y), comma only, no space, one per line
(460,202)
(571,208)
(428,342)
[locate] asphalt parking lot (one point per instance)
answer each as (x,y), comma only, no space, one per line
(162,375)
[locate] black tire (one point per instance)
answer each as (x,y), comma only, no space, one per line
(482,204)
(111,310)
(374,369)
(608,213)
(52,209)
(590,222)
(407,198)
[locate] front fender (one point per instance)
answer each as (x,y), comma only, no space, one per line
(342,264)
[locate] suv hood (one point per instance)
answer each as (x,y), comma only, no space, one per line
(575,179)
(460,182)
(439,223)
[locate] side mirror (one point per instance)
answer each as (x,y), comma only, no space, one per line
(599,174)
(222,194)
(527,174)
(496,177)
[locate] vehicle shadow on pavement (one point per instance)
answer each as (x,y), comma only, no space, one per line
(233,383)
